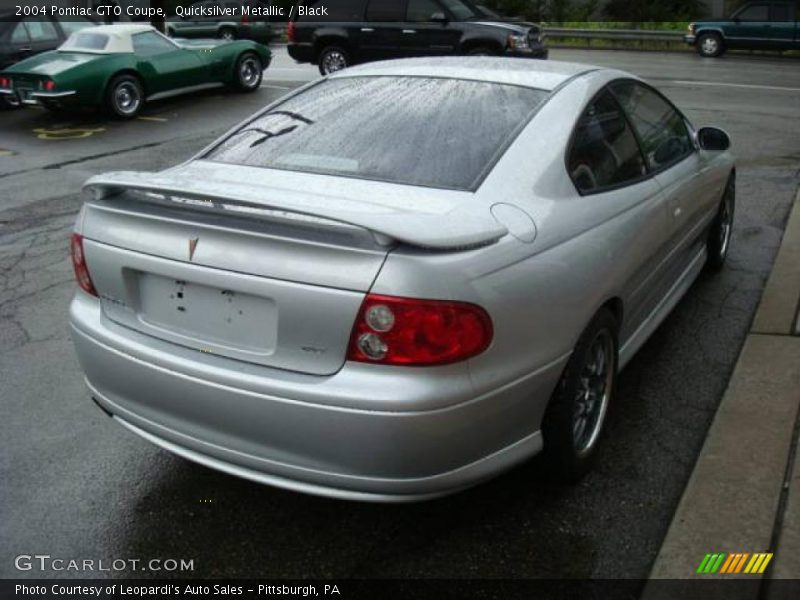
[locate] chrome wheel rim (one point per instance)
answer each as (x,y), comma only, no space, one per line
(333,61)
(249,72)
(591,400)
(127,98)
(710,45)
(725,227)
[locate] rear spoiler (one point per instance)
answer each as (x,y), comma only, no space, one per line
(387,225)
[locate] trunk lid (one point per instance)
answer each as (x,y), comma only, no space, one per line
(212,258)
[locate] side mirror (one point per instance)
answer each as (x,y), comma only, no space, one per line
(713,139)
(439,17)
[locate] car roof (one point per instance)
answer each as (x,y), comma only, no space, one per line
(119,37)
(539,74)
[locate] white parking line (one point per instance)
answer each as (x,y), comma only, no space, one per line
(274,87)
(734,85)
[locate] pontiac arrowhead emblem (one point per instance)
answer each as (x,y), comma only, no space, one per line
(192,247)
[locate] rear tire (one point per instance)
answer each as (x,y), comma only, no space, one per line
(710,45)
(125,97)
(574,419)
(482,51)
(332,59)
(719,235)
(249,72)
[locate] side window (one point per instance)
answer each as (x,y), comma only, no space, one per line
(421,11)
(71,27)
(604,151)
(755,12)
(20,34)
(782,12)
(150,43)
(661,128)
(41,31)
(386,11)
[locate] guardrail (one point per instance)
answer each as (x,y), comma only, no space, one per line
(640,35)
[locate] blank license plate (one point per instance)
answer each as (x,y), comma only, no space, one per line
(208,318)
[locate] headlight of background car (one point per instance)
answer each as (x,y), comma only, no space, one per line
(518,42)
(691,27)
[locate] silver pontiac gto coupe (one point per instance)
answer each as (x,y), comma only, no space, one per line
(401,279)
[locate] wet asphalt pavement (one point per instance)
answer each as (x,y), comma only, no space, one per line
(76,485)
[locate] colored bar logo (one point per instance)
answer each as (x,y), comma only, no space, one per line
(735,563)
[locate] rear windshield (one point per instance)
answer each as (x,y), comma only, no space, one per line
(85,41)
(443,133)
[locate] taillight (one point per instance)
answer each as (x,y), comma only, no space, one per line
(411,332)
(5,82)
(48,85)
(79,264)
(245,19)
(290,31)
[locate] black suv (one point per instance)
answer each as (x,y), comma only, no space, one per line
(337,33)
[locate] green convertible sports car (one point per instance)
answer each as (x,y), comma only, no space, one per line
(120,67)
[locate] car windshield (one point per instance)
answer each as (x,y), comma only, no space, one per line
(85,40)
(433,132)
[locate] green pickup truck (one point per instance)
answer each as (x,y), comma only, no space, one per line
(764,25)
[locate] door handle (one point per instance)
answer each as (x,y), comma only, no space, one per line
(409,31)
(367,29)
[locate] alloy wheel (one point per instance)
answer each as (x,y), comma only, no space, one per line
(333,61)
(249,72)
(591,401)
(127,98)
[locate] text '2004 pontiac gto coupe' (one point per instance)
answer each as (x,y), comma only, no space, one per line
(120,67)
(402,278)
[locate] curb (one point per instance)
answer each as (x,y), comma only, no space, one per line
(738,499)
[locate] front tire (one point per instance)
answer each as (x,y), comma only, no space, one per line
(710,45)
(332,59)
(249,72)
(719,235)
(574,419)
(125,97)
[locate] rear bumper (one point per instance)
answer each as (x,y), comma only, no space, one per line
(37,97)
(285,430)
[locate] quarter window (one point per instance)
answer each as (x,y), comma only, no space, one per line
(756,12)
(661,128)
(20,34)
(385,11)
(782,12)
(421,11)
(41,31)
(604,152)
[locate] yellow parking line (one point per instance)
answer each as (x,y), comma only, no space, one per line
(4,152)
(156,119)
